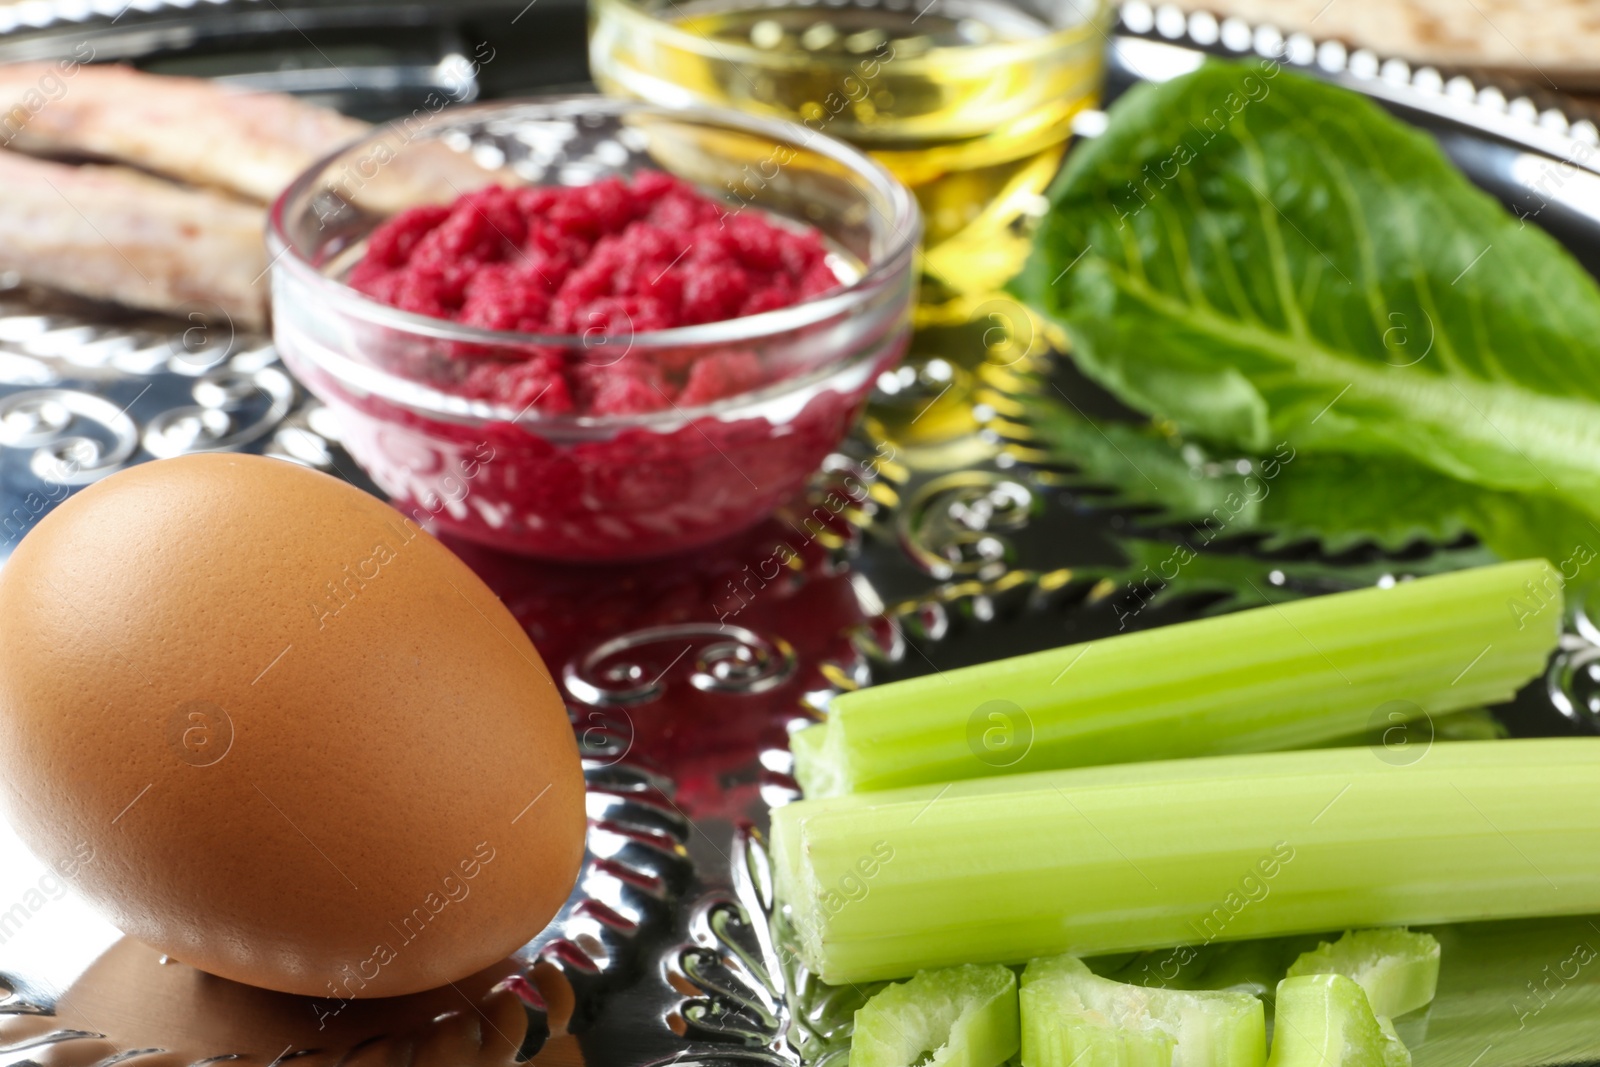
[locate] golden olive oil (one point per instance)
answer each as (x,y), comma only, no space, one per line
(968,102)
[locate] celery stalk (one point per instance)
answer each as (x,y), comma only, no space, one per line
(1129,857)
(1324,1020)
(1283,676)
(963,1016)
(1397,969)
(816,768)
(1073,1018)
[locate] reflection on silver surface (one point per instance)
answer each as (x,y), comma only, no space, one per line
(86,390)
(956,525)
(76,438)
(226,415)
(728,659)
(1573,680)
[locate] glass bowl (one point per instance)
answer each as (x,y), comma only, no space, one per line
(970,103)
(592,486)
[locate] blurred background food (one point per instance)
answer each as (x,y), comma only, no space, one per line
(178,221)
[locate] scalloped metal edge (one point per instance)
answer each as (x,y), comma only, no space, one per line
(1457,98)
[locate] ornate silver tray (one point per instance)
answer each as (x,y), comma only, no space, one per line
(684,679)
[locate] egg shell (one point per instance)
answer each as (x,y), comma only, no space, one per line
(274,729)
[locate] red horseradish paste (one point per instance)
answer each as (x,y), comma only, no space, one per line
(608,260)
(613,454)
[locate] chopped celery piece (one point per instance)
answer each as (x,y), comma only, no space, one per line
(811,770)
(1071,1016)
(1395,1052)
(1138,856)
(1397,969)
(1282,676)
(964,1016)
(1324,1020)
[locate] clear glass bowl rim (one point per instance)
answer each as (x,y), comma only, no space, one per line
(905,224)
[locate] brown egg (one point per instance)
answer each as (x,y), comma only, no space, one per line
(278,732)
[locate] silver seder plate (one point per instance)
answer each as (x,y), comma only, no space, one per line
(683,680)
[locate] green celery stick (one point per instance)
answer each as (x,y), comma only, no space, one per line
(964,1016)
(1071,1016)
(1397,969)
(1276,677)
(1324,1020)
(1182,852)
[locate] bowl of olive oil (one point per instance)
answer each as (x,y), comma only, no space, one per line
(968,102)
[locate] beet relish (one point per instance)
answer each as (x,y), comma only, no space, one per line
(610,259)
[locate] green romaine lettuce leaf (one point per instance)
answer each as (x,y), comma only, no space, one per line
(1264,260)
(1336,499)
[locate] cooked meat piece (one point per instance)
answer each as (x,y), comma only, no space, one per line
(192,129)
(119,234)
(116,234)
